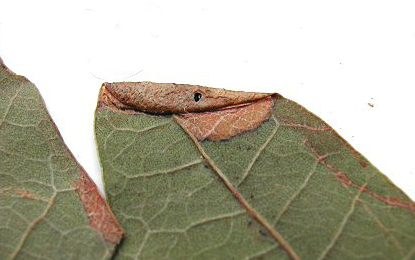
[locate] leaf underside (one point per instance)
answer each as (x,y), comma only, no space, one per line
(302,192)
(49,207)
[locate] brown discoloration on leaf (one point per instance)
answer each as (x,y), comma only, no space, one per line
(100,216)
(324,128)
(22,193)
(35,168)
(344,178)
(307,127)
(208,113)
(170,98)
(226,123)
(105,98)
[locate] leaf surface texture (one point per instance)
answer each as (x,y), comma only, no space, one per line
(49,207)
(289,189)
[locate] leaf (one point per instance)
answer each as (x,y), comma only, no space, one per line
(216,184)
(49,207)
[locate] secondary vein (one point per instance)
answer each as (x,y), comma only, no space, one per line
(258,153)
(275,234)
(30,228)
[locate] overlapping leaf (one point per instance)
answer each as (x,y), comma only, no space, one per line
(49,207)
(289,189)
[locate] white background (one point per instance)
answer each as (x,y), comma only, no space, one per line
(333,57)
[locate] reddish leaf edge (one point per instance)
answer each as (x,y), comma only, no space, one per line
(100,216)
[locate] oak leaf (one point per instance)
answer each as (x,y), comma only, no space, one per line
(240,180)
(49,207)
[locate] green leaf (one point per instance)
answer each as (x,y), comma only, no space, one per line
(290,188)
(49,207)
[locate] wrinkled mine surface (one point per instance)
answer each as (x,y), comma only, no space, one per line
(207,113)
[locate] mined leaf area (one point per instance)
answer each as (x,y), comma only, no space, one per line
(289,189)
(49,207)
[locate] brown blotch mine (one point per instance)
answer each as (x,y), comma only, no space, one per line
(171,98)
(226,123)
(100,216)
(207,113)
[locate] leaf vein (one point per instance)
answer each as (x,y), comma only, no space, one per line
(343,223)
(295,195)
(166,171)
(381,225)
(30,228)
(275,234)
(257,154)
(9,106)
